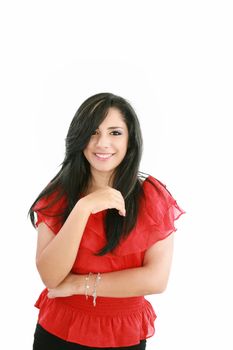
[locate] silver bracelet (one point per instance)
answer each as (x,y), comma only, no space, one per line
(94,294)
(87,287)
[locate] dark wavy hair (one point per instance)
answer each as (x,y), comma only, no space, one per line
(73,178)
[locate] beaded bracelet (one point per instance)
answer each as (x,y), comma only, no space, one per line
(87,287)
(94,294)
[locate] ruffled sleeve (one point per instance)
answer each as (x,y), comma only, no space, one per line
(161,207)
(156,218)
(50,216)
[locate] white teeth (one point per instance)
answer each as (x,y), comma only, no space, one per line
(103,155)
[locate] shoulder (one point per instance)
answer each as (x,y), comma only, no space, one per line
(50,210)
(154,188)
(51,202)
(156,201)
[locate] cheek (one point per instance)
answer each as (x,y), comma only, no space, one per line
(124,149)
(88,148)
(85,152)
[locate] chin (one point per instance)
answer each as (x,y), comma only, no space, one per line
(104,170)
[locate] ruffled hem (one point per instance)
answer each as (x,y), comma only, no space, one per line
(114,322)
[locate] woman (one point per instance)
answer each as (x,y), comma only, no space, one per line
(104,235)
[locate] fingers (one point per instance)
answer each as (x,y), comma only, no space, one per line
(122,213)
(122,210)
(108,199)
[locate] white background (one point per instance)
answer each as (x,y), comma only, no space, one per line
(173,61)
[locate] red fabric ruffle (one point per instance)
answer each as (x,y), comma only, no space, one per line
(46,215)
(113,321)
(158,212)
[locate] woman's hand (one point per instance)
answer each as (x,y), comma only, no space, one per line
(104,198)
(67,287)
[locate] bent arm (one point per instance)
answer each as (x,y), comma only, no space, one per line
(56,254)
(151,278)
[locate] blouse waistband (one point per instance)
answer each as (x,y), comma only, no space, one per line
(104,305)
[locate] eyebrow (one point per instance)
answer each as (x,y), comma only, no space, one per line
(114,127)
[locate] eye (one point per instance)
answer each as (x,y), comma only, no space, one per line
(118,133)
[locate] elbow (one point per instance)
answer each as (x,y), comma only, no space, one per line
(159,283)
(159,287)
(49,282)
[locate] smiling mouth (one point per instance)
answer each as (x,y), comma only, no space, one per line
(104,155)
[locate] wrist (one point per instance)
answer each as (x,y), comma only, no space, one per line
(82,207)
(89,284)
(78,283)
(93,279)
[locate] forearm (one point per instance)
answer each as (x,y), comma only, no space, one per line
(151,278)
(125,283)
(57,259)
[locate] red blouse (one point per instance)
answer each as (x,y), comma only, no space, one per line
(113,322)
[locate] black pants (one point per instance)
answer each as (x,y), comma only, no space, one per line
(44,340)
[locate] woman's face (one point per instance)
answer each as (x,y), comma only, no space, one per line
(108,144)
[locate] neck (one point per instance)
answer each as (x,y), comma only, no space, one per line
(99,180)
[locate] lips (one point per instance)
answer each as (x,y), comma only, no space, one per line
(103,155)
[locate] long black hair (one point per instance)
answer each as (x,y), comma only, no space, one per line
(73,178)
